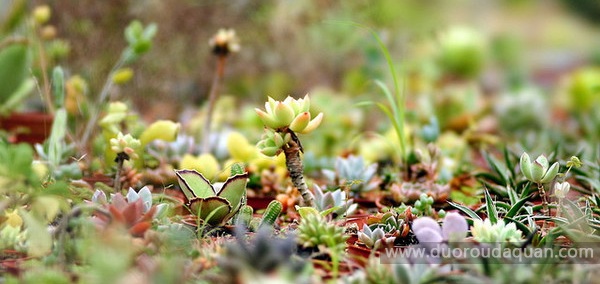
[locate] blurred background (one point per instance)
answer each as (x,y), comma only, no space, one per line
(291,47)
(521,62)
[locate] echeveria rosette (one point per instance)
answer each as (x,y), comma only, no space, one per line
(212,204)
(538,171)
(375,239)
(290,113)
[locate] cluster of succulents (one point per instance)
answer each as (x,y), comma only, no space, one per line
(216,203)
(408,192)
(315,231)
(135,210)
(486,232)
(333,201)
(245,216)
(352,172)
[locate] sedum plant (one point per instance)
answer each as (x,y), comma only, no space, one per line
(283,120)
(353,171)
(213,204)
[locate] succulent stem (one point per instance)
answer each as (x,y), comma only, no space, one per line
(120,159)
(212,98)
(295,168)
(544,199)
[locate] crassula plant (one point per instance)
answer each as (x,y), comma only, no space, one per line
(216,203)
(283,120)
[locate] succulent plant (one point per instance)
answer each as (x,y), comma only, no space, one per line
(135,210)
(291,113)
(271,213)
(334,201)
(125,144)
(263,253)
(376,238)
(485,231)
(352,171)
(244,216)
(171,152)
(427,230)
(213,204)
(407,192)
(282,121)
(538,171)
(315,231)
(272,142)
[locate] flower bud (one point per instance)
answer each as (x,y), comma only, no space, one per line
(561,189)
(41,14)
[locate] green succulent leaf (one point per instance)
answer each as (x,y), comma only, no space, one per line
(212,210)
(525,164)
(550,173)
(194,184)
(234,190)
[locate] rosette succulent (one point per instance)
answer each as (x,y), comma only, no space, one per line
(135,210)
(213,204)
(291,113)
(376,238)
